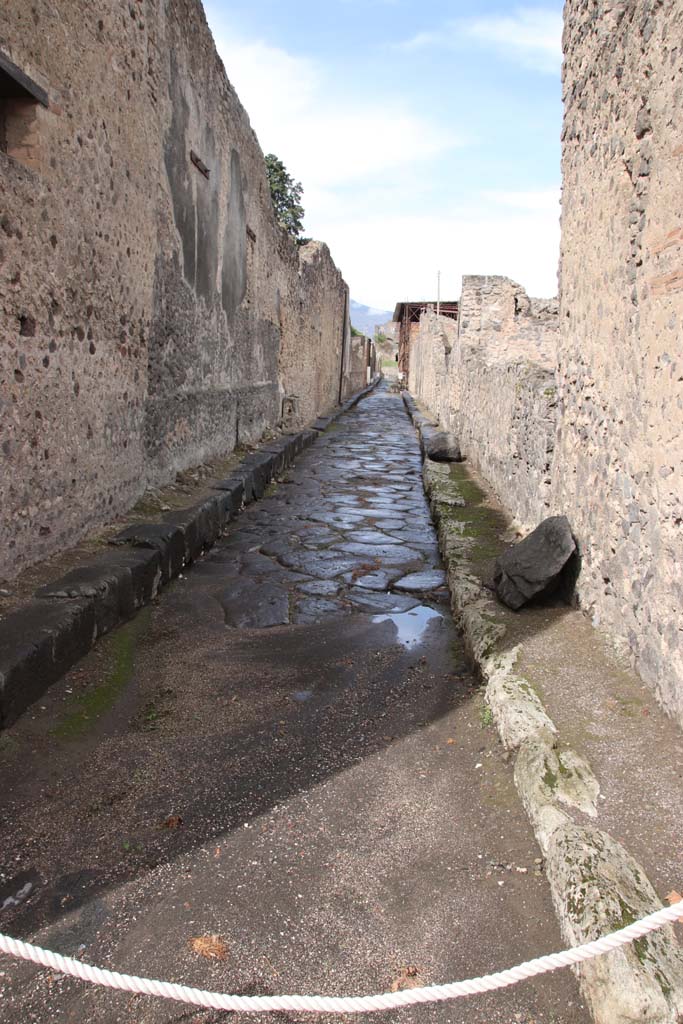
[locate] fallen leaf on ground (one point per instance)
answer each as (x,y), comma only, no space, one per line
(674,897)
(174,821)
(407,977)
(450,742)
(364,568)
(210,946)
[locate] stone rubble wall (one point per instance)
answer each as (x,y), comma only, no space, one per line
(151,318)
(314,333)
(619,455)
(489,378)
(361,365)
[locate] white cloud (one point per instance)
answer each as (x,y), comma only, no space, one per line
(295,109)
(531,36)
(369,165)
(406,251)
(543,199)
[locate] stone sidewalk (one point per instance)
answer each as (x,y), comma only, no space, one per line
(287,751)
(598,764)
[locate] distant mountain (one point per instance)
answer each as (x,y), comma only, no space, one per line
(366,318)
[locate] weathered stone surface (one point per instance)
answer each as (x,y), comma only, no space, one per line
(376,537)
(320,588)
(389,554)
(248,605)
(617,469)
(234,486)
(200,526)
(316,609)
(534,566)
(309,436)
(598,887)
(421,582)
(37,645)
(443,447)
(256,473)
(380,580)
(370,601)
(117,582)
(165,538)
(495,389)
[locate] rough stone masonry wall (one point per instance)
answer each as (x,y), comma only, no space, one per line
(151,317)
(489,377)
(360,360)
(618,468)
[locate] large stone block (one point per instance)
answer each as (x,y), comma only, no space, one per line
(537,565)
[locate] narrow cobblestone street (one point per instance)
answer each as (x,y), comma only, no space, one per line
(287,751)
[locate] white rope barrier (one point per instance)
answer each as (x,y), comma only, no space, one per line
(339,1004)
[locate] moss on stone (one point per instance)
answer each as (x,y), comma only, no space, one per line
(550,777)
(85,709)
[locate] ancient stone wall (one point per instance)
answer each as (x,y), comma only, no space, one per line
(361,365)
(489,377)
(314,338)
(618,469)
(153,314)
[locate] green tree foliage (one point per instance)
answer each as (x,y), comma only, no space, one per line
(286,195)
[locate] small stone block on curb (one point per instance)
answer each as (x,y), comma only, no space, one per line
(165,538)
(117,583)
(196,528)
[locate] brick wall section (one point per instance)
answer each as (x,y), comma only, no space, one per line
(150,318)
(618,470)
(489,377)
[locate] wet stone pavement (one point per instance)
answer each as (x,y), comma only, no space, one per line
(348,532)
(288,752)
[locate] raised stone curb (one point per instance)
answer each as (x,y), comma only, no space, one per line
(46,637)
(596,886)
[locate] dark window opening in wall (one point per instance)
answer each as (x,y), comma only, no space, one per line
(20,98)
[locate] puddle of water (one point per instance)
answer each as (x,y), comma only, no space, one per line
(412,625)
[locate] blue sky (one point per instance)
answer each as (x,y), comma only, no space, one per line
(426,135)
